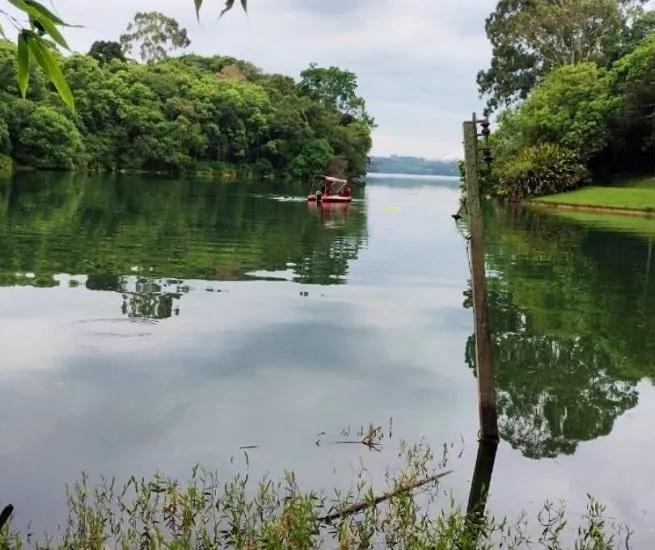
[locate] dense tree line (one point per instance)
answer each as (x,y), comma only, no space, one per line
(583,74)
(187,113)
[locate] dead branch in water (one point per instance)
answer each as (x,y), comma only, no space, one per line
(363,505)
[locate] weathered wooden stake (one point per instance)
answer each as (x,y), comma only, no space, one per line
(484,362)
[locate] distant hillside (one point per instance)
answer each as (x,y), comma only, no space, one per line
(413,165)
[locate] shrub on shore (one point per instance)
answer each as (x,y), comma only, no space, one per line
(539,170)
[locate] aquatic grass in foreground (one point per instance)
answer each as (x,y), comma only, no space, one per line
(208,513)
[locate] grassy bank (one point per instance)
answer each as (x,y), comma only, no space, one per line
(636,195)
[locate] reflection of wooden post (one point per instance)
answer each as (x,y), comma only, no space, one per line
(483,358)
(484,467)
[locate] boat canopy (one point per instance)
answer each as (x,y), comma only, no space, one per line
(333,180)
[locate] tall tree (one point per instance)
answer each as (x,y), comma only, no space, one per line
(105,52)
(531,38)
(155,34)
(336,89)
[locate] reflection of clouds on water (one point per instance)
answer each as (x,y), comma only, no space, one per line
(273,363)
(232,371)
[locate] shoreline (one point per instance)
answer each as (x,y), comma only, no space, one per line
(592,208)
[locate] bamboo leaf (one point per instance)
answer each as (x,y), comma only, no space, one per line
(49,64)
(228,6)
(198,4)
(45,12)
(23,63)
(39,11)
(2,32)
(20,4)
(53,31)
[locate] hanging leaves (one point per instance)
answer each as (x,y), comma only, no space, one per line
(198,4)
(33,46)
(43,22)
(46,60)
(23,64)
(229,4)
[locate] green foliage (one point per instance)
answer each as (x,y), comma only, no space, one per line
(104,51)
(187,114)
(541,169)
(633,127)
(530,39)
(34,46)
(604,117)
(348,141)
(209,512)
(155,34)
(572,107)
(5,141)
(229,4)
(313,158)
(5,165)
(44,138)
(336,89)
(45,22)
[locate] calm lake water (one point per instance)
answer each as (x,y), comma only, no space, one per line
(155,324)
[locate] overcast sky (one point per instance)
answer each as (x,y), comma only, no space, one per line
(416,59)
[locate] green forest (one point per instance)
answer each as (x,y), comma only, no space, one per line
(183,113)
(573,87)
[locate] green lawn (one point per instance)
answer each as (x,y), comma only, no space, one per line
(641,198)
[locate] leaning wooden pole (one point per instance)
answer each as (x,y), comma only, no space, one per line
(483,355)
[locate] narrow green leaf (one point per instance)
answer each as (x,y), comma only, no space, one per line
(198,4)
(2,32)
(228,7)
(39,11)
(244,4)
(45,12)
(23,64)
(49,64)
(53,31)
(21,5)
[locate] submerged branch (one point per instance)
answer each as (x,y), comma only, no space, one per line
(363,505)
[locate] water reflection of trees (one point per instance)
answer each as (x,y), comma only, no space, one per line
(570,328)
(108,227)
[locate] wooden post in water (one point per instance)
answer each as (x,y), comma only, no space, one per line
(483,356)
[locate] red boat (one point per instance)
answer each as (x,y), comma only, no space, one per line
(331,190)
